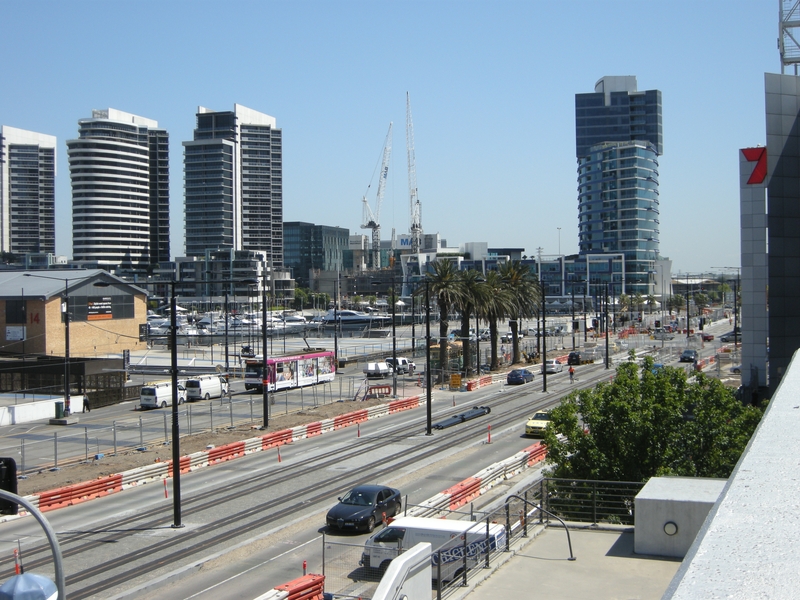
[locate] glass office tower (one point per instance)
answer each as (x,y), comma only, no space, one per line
(618,139)
(27,191)
(233,171)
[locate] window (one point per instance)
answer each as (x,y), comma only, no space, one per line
(15,312)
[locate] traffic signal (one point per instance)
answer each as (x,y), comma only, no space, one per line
(658,323)
(595,323)
(8,483)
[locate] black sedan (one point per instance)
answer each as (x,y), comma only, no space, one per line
(519,376)
(363,507)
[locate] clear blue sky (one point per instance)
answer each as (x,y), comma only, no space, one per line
(492,89)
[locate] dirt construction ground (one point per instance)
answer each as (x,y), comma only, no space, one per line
(108,465)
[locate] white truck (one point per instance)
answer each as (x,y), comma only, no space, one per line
(159,394)
(403,365)
(205,387)
(450,540)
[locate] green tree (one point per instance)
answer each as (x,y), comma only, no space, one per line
(497,304)
(525,295)
(651,302)
(445,286)
(676,303)
(701,300)
(472,294)
(649,422)
(300,298)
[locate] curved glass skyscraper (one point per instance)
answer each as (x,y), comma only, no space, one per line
(618,139)
(119,167)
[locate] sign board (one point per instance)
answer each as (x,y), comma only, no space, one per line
(98,308)
(455,381)
(15,333)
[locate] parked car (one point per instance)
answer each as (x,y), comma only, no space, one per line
(731,337)
(574,358)
(688,356)
(707,337)
(519,376)
(736,369)
(662,334)
(552,365)
(363,507)
(537,424)
(403,364)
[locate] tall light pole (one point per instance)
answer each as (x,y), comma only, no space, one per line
(606,328)
(264,369)
(65,316)
(393,300)
(176,437)
(559,240)
(543,334)
(429,400)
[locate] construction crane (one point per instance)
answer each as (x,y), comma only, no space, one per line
(371,220)
(416,207)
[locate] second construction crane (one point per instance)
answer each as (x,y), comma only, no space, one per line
(416,207)
(371,220)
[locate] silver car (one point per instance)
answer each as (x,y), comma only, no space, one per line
(552,365)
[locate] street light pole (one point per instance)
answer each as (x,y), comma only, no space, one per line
(429,401)
(264,366)
(176,437)
(394,341)
(606,331)
(65,314)
(227,362)
(543,335)
(65,311)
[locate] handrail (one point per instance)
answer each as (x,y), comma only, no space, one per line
(544,510)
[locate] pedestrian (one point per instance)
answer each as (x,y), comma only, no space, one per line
(571,374)
(86,407)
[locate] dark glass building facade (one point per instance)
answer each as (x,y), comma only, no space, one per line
(308,246)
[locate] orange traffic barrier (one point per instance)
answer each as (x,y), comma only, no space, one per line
(75,494)
(464,492)
(536,453)
(358,416)
(226,452)
(276,439)
(377,391)
(313,429)
(404,404)
(307,587)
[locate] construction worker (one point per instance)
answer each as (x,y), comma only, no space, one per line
(571,374)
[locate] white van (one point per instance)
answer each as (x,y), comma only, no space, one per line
(377,370)
(205,387)
(442,534)
(159,394)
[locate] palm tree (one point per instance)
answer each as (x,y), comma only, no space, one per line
(525,295)
(445,286)
(625,306)
(638,300)
(651,302)
(472,293)
(496,305)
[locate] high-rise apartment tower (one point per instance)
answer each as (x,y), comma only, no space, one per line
(119,167)
(618,139)
(27,191)
(233,172)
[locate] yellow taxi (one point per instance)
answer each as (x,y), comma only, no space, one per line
(537,424)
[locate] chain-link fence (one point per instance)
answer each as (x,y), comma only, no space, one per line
(39,450)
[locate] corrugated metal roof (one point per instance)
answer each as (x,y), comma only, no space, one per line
(51,282)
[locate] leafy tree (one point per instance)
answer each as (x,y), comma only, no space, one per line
(649,422)
(701,300)
(300,298)
(445,286)
(471,296)
(525,296)
(676,303)
(651,302)
(497,303)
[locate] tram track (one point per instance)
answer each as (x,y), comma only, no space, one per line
(107,574)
